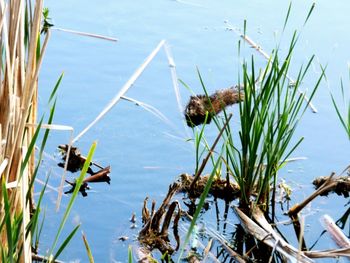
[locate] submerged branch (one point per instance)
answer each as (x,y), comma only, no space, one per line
(153,236)
(325,187)
(341,185)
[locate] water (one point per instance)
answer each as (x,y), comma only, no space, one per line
(145,154)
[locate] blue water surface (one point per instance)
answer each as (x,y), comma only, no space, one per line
(145,153)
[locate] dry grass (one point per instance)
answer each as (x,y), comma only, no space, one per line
(19,69)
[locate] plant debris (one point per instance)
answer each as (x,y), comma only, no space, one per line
(98,177)
(327,186)
(153,235)
(341,185)
(199,105)
(269,236)
(123,238)
(76,160)
(220,188)
(82,189)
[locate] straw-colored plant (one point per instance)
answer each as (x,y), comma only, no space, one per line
(21,58)
(22,55)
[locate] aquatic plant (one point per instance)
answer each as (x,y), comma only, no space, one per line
(20,224)
(268,116)
(343,117)
(22,56)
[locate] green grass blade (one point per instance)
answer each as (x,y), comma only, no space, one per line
(53,93)
(310,12)
(129,254)
(31,227)
(31,147)
(65,243)
(41,151)
(74,195)
(200,205)
(7,218)
(287,16)
(340,116)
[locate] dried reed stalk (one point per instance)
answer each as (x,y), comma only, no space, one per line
(267,235)
(19,71)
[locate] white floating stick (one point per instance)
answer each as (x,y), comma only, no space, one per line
(335,232)
(85,34)
(123,90)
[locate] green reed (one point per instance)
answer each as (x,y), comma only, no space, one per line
(269,116)
(344,117)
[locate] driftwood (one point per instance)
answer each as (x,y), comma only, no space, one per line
(76,160)
(98,177)
(220,188)
(327,185)
(199,105)
(153,235)
(341,185)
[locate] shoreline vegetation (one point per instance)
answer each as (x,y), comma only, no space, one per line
(244,161)
(22,55)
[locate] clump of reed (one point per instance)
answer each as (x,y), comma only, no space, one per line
(252,153)
(21,57)
(269,112)
(22,52)
(269,117)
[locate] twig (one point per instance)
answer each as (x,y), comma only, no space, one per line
(123,90)
(231,252)
(324,188)
(344,252)
(206,159)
